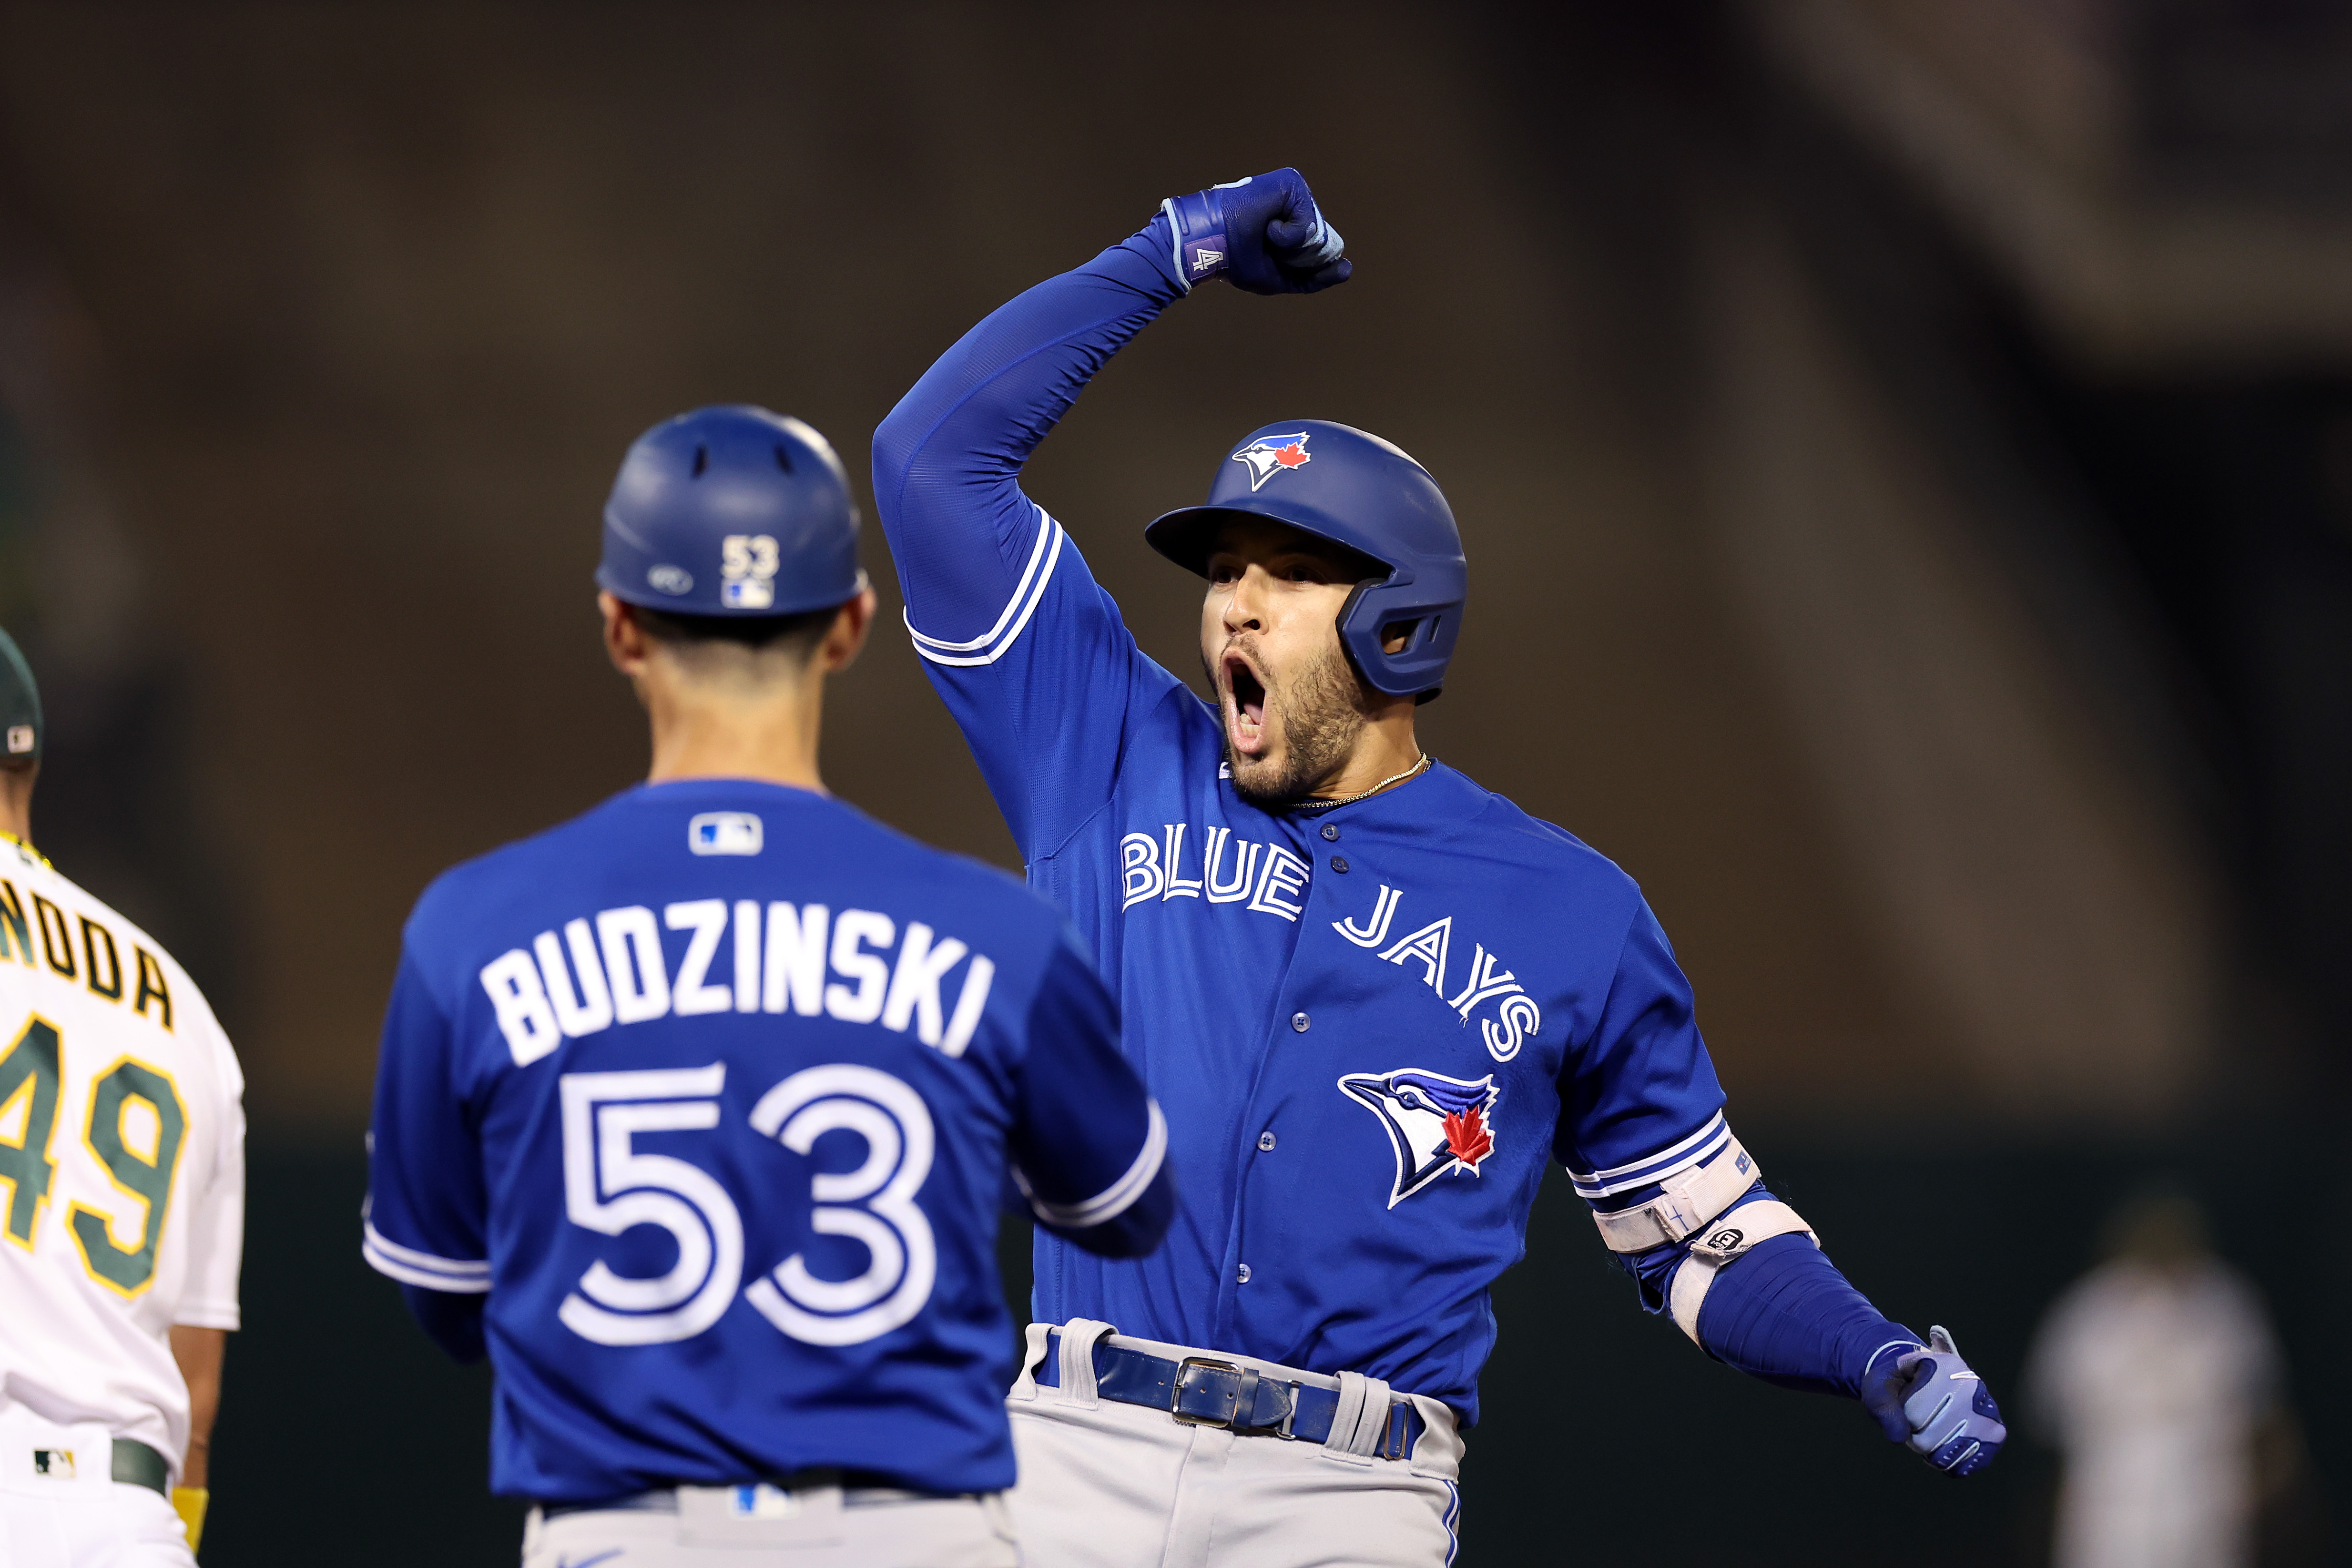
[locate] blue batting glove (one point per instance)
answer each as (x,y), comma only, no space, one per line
(1264,235)
(1932,1403)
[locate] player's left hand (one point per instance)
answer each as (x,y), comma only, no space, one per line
(1934,1403)
(1275,240)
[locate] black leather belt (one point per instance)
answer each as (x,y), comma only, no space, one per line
(137,1465)
(1204,1392)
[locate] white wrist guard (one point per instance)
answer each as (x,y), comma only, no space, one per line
(1740,1230)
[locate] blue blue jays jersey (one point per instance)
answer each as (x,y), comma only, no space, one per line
(714,1091)
(1371,1025)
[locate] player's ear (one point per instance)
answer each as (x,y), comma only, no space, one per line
(624,638)
(847,636)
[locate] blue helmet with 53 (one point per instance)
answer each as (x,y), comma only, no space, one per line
(730,510)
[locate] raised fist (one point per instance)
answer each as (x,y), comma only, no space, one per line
(1262,234)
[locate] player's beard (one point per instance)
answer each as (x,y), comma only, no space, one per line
(1322,708)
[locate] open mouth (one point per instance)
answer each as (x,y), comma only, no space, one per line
(1247,720)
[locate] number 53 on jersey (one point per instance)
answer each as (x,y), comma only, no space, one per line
(610,1186)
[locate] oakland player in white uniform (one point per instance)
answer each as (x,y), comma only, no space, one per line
(122,1173)
(1376,998)
(696,1111)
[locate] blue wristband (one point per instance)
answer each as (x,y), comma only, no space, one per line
(1200,250)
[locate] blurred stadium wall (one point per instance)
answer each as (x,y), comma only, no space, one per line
(1906,452)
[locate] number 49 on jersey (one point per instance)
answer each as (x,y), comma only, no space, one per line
(135,1127)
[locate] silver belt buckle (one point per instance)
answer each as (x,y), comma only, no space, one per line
(1176,1392)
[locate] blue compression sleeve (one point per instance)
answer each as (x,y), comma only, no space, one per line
(953,448)
(1026,650)
(450,1320)
(1781,1313)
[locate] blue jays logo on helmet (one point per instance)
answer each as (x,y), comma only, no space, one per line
(1271,455)
(1436,1125)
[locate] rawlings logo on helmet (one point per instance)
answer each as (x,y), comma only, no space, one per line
(1270,455)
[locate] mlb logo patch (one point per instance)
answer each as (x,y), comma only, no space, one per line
(725,833)
(761,1501)
(20,739)
(58,1464)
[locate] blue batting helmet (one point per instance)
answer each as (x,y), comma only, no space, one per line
(1342,484)
(730,510)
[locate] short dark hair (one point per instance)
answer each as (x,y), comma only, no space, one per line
(797,633)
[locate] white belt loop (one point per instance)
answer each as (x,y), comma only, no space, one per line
(1360,1424)
(1078,1337)
(1025,1385)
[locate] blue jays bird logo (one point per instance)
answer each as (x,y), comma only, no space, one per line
(1437,1124)
(1270,455)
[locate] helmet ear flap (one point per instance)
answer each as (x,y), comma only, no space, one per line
(1374,605)
(1350,628)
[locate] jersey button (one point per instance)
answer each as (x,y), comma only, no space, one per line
(1340,864)
(1241,1275)
(1265,1142)
(1298,1022)
(1330,832)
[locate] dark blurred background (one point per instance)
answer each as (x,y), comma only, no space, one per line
(1905,448)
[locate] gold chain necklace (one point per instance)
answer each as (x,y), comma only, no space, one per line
(1420,762)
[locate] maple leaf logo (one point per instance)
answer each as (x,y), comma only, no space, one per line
(1466,1137)
(1292,456)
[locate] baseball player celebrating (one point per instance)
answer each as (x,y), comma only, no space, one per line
(698,1110)
(122,1177)
(1374,996)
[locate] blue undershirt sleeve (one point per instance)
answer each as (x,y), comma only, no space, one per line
(1029,655)
(453,1322)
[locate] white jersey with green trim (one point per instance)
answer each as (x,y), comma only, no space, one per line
(121,1163)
